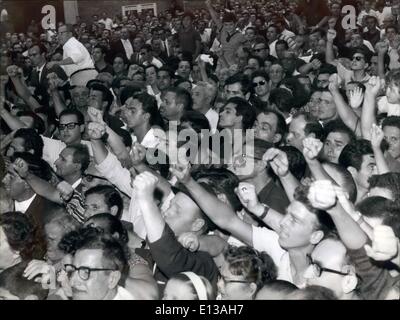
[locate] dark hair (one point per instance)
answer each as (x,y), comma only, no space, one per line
(254,266)
(222,181)
(259,73)
(111,197)
(196,120)
(81,155)
(75,112)
(125,136)
(13,280)
(282,42)
(49,113)
(244,109)
(346,180)
(101,48)
(123,57)
(352,154)
(376,207)
(149,105)
(389,180)
(239,78)
(392,121)
(22,235)
(365,52)
(128,92)
(182,96)
(115,254)
(312,125)
(282,98)
(297,163)
(112,225)
(259,60)
(339,126)
(166,69)
(324,220)
(393,76)
(281,126)
(32,140)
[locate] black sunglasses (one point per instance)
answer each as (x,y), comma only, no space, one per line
(358,58)
(260,83)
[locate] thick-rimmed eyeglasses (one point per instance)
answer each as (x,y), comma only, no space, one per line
(317,269)
(90,177)
(69,126)
(83,272)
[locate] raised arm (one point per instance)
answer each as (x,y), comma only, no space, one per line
(21,88)
(280,164)
(213,14)
(144,186)
(247,195)
(219,212)
(346,113)
(382,49)
(40,186)
(311,150)
(329,53)
(368,111)
(330,198)
(377,137)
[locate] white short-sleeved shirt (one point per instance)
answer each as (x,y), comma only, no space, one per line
(78,53)
(267,240)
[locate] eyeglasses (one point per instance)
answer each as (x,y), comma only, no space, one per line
(225,280)
(90,177)
(260,83)
(83,272)
(259,49)
(317,269)
(358,58)
(69,126)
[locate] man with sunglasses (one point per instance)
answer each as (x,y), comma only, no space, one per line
(360,62)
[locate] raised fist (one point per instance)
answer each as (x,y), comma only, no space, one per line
(145,184)
(312,148)
(96,130)
(322,194)
(331,35)
(190,241)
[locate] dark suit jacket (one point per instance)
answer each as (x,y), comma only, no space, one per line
(43,81)
(118,48)
(42,84)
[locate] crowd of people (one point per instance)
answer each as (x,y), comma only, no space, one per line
(245,150)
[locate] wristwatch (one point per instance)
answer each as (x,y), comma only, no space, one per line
(266,210)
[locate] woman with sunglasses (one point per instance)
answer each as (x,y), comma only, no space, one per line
(243,272)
